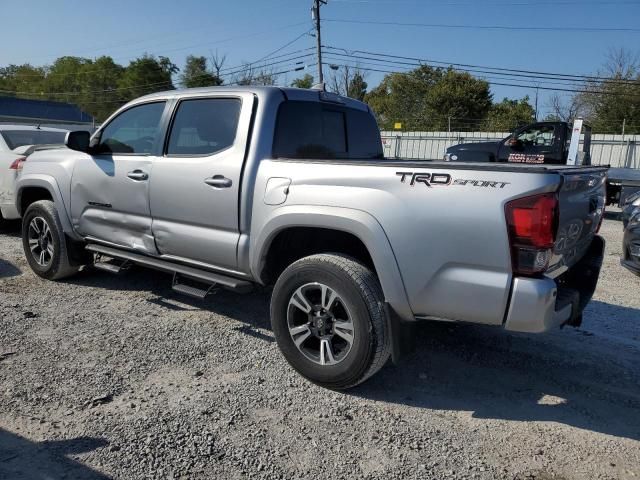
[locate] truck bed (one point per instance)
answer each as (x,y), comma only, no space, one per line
(488,166)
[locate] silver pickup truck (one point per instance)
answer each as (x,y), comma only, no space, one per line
(233,187)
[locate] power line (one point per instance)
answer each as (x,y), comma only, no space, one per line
(104,70)
(534,3)
(558,81)
(554,89)
(486,27)
(240,69)
(497,69)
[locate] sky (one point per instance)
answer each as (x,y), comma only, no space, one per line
(39,31)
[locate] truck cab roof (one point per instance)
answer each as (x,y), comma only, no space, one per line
(262,92)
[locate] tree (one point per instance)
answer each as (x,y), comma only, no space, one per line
(303,82)
(23,78)
(616,100)
(197,74)
(349,81)
(429,98)
(249,76)
(509,114)
(357,86)
(566,108)
(146,75)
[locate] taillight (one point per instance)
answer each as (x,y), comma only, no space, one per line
(533,225)
(17,163)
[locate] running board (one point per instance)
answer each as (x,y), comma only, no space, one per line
(192,290)
(115,266)
(203,276)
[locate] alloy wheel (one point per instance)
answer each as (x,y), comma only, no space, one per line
(320,324)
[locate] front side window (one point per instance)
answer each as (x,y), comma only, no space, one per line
(315,130)
(204,126)
(135,130)
(537,136)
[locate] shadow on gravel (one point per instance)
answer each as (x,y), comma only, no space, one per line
(609,215)
(22,459)
(557,377)
(498,375)
(251,309)
(11,228)
(8,269)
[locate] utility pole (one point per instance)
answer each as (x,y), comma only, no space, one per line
(315,11)
(537,89)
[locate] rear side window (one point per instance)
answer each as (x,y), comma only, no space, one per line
(20,138)
(319,130)
(204,126)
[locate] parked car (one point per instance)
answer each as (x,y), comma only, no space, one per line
(239,186)
(631,240)
(630,207)
(16,143)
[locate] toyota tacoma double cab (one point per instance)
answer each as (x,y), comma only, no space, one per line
(235,187)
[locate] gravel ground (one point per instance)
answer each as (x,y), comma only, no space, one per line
(106,376)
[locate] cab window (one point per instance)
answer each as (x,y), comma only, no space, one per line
(537,136)
(204,126)
(134,131)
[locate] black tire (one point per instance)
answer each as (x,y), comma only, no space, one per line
(360,292)
(58,264)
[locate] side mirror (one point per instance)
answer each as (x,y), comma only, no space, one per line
(514,143)
(78,140)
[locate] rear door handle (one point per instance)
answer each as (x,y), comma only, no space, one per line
(138,175)
(218,181)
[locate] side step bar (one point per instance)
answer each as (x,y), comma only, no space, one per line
(203,276)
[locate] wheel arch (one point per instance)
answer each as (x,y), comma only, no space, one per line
(355,233)
(33,188)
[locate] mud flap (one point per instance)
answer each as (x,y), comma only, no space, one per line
(580,282)
(402,335)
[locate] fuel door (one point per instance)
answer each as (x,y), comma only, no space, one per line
(277,190)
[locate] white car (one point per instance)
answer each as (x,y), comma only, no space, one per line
(16,143)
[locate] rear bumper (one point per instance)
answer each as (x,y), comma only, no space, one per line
(541,304)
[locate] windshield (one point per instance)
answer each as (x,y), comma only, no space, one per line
(19,138)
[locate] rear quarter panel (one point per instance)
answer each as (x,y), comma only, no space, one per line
(449,242)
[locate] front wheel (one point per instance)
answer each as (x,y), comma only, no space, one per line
(328,317)
(44,242)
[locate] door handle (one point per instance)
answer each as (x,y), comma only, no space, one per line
(138,175)
(218,181)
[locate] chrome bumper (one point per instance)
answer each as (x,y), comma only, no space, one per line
(540,304)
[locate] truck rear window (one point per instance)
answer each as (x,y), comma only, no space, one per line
(316,130)
(19,138)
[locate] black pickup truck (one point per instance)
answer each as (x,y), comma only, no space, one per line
(550,143)
(542,143)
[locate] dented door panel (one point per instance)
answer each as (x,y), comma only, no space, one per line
(108,205)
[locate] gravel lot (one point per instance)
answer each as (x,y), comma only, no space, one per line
(106,376)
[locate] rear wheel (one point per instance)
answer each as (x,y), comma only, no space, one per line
(44,242)
(328,317)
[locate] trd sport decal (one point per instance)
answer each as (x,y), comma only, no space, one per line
(443,179)
(427,179)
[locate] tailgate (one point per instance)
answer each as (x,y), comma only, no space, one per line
(582,199)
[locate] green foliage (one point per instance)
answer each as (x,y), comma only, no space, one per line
(357,87)
(617,104)
(509,114)
(426,98)
(146,75)
(96,86)
(197,74)
(303,82)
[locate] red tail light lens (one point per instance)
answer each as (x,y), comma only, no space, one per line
(17,163)
(533,224)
